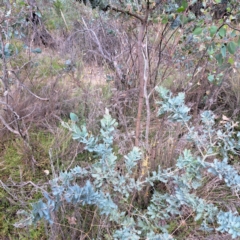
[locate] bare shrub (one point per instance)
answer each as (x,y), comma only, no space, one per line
(31,109)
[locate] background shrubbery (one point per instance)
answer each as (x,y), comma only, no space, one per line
(173,175)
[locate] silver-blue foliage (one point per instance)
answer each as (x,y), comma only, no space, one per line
(108,184)
(225,171)
(174,106)
(230,223)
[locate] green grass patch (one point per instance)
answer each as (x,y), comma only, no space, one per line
(17,166)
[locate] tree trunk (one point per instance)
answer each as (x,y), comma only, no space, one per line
(142,27)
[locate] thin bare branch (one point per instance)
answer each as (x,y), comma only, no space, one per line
(8,127)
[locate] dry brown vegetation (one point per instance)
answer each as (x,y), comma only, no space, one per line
(102,72)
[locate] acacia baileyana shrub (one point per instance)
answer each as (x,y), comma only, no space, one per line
(111,190)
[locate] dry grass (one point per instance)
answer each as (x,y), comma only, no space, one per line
(56,92)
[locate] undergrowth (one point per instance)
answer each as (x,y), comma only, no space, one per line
(113,190)
(16,169)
